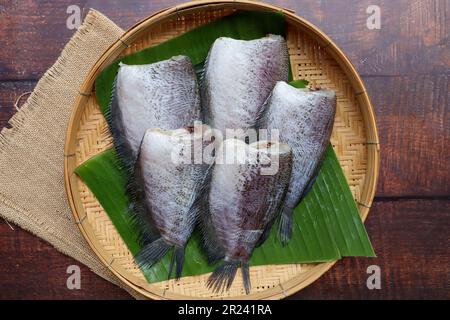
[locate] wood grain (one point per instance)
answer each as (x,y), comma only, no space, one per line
(32,269)
(413,118)
(405,66)
(410,238)
(413,38)
(9,92)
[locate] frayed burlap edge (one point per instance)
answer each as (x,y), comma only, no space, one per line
(32,192)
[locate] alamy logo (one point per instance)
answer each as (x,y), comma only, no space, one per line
(211,147)
(374,20)
(374,280)
(74,19)
(74,280)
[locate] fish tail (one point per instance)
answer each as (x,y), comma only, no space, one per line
(223,276)
(178,259)
(285,225)
(152,253)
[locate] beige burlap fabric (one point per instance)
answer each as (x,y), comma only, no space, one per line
(32,193)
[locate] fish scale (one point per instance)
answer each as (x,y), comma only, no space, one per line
(243,203)
(304,120)
(239,76)
(164,95)
(170,187)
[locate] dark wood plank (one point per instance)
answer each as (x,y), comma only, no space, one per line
(405,65)
(32,269)
(9,92)
(413,118)
(34,32)
(410,237)
(411,241)
(413,38)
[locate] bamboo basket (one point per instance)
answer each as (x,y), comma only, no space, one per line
(313,57)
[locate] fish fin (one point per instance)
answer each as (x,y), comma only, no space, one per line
(261,115)
(278,200)
(200,71)
(139,216)
(137,211)
(112,102)
(209,240)
(223,277)
(287,214)
(214,250)
(204,93)
(199,196)
(113,118)
(285,225)
(246,276)
(309,186)
(264,235)
(271,220)
(152,253)
(178,259)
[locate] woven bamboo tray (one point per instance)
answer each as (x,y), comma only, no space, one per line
(313,57)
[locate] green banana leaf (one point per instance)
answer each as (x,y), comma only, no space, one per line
(327,224)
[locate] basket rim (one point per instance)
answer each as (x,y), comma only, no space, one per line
(373,146)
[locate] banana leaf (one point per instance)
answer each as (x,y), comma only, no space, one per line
(327,224)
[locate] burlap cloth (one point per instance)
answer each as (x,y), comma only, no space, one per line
(32,193)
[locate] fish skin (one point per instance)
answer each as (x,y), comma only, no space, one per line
(164,95)
(244,202)
(305,121)
(238,77)
(170,190)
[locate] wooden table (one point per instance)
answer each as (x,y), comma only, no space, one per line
(406,67)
